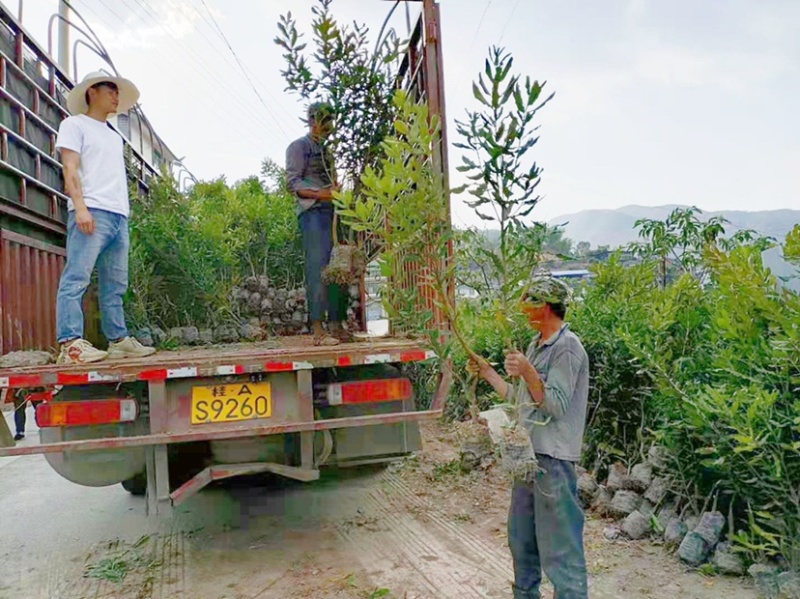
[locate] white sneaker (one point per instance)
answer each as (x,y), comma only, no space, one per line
(129,347)
(80,351)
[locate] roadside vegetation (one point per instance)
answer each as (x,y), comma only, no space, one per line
(694,344)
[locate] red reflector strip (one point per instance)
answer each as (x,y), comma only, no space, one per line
(65,378)
(356,392)
(153,375)
(279,366)
(22,380)
(413,356)
(77,413)
(344,361)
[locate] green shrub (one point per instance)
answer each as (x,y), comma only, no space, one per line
(189,250)
(707,366)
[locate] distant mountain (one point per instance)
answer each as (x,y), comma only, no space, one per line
(616,227)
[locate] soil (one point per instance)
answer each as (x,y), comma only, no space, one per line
(419,529)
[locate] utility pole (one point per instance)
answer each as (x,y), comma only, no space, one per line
(63,36)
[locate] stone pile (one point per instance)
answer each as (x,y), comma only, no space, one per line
(280,311)
(640,501)
(264,310)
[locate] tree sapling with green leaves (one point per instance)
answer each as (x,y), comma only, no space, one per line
(503,182)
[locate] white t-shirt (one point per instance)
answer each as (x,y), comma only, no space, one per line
(102,165)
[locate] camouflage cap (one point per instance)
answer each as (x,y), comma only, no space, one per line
(549,289)
(320,111)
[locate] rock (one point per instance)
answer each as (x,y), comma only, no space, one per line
(353,290)
(176,334)
(616,477)
(710,527)
(636,525)
(665,514)
(21,359)
(206,337)
(272,293)
(647,508)
(612,532)
(580,470)
(254,322)
(159,336)
(765,577)
(657,490)
(658,457)
(226,334)
(266,306)
(144,336)
(298,318)
(254,301)
(263,283)
(675,531)
(693,549)
(249,332)
(692,521)
(789,585)
(624,503)
(251,284)
(191,336)
(640,478)
(602,501)
(727,561)
(587,489)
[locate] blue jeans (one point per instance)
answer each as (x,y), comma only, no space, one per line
(106,248)
(545,532)
(316,226)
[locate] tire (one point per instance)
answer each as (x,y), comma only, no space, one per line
(137,485)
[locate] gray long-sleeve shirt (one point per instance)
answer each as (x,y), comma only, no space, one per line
(556,427)
(308,166)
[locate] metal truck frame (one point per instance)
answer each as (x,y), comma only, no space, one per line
(343,405)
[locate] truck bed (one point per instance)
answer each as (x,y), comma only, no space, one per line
(276,355)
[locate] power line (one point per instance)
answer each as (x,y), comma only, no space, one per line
(510,17)
(222,38)
(247,133)
(244,71)
(480,23)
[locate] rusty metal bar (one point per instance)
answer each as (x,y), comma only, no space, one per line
(223,471)
(27,215)
(21,140)
(261,431)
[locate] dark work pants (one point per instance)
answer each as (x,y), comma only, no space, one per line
(316,226)
(545,532)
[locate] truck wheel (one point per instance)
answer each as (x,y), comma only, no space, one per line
(137,485)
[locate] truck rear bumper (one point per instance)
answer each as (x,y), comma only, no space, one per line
(185,437)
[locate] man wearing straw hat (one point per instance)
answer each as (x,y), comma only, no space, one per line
(311,176)
(97,223)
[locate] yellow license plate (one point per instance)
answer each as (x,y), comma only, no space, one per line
(231,403)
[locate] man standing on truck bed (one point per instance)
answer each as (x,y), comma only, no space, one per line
(545,521)
(97,224)
(311,176)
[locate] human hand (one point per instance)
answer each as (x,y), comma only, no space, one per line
(480,368)
(517,365)
(84,220)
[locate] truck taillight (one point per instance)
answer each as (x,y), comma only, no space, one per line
(355,392)
(81,413)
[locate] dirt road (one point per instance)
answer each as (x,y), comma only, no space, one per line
(417,530)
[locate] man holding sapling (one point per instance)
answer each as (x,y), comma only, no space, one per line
(545,522)
(311,175)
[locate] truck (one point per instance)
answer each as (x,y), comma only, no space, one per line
(168,425)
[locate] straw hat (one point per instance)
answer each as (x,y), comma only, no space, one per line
(76,99)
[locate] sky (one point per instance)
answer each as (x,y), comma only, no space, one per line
(680,102)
